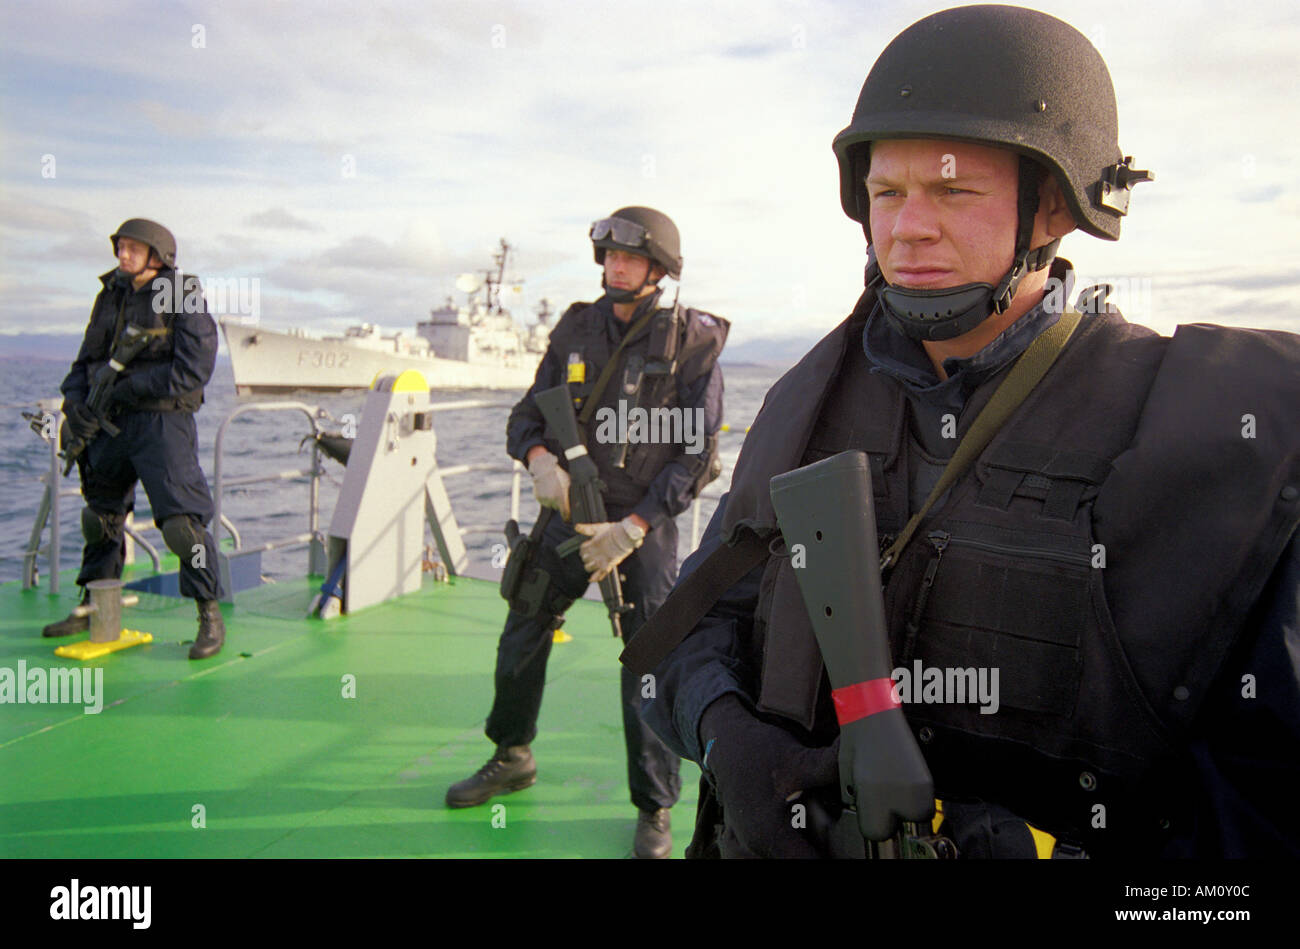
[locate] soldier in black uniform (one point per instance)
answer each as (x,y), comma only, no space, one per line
(154,398)
(1123,551)
(668,360)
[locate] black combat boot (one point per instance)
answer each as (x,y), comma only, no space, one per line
(212,630)
(72,623)
(510,769)
(654,839)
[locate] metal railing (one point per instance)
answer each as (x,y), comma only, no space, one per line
(515,469)
(317,560)
(50,511)
(314,539)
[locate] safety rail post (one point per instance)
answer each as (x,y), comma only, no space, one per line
(55,518)
(317,555)
(128,535)
(314,416)
(514,490)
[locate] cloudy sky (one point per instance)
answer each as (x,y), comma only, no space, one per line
(354,158)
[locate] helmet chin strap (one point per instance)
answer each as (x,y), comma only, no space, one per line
(647,302)
(953,311)
(123,277)
(625,296)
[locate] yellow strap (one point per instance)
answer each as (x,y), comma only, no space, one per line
(1044,843)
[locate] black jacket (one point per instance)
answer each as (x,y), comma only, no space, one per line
(169,375)
(659,480)
(1132,440)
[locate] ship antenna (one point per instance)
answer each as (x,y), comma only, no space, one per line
(494,280)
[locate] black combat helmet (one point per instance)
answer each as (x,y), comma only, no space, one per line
(151,233)
(1002,76)
(643,231)
(1010,78)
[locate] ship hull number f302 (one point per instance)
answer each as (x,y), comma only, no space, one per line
(318,359)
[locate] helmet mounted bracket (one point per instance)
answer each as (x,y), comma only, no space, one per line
(1116,185)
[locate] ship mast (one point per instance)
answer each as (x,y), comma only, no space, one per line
(493,280)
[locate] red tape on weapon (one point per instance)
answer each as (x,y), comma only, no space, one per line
(864,698)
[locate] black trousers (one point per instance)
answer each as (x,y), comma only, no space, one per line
(161,451)
(653,771)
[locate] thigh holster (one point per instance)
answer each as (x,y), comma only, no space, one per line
(525,583)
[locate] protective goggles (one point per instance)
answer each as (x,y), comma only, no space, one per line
(627,233)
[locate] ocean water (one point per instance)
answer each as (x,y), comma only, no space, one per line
(264,443)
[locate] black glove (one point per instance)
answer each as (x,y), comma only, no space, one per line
(756,769)
(79,421)
(103,376)
(123,396)
(983,831)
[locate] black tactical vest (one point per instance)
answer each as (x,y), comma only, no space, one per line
(678,347)
(1103,554)
(115,307)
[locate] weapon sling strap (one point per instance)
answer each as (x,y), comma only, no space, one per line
(695,595)
(603,379)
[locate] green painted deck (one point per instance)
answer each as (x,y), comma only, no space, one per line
(283,764)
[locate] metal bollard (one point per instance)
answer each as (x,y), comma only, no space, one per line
(105,610)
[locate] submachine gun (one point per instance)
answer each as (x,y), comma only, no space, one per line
(129,345)
(826,508)
(585,500)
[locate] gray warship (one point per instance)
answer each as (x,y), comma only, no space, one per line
(478,345)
